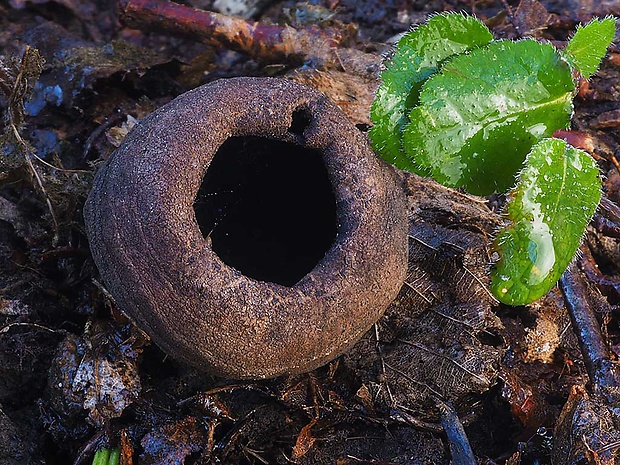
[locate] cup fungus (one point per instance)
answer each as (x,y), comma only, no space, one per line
(248,228)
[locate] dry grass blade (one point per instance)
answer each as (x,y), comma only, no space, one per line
(17,83)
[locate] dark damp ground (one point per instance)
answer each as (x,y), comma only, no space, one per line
(75,375)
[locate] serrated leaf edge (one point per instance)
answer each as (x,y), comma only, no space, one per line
(569,57)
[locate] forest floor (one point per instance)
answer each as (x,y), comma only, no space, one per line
(528,385)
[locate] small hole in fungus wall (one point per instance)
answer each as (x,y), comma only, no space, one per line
(268,208)
(299,122)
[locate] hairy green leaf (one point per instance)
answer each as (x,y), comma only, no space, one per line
(589,44)
(480,115)
(417,56)
(549,209)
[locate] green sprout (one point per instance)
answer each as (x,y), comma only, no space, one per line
(476,113)
(107,456)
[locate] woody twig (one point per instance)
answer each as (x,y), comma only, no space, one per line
(264,42)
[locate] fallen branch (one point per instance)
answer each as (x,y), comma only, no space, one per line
(602,372)
(460,450)
(264,42)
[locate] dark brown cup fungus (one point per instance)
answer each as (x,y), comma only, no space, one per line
(320,222)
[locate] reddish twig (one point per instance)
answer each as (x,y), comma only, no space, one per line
(265,42)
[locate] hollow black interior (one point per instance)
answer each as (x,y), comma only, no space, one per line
(268,208)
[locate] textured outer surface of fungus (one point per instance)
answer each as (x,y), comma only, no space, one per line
(156,263)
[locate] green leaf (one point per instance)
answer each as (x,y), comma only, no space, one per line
(417,56)
(549,209)
(589,44)
(480,116)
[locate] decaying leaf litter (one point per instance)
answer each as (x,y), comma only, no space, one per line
(74,375)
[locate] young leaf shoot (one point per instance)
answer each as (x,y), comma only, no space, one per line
(480,115)
(466,110)
(417,56)
(548,210)
(456,105)
(107,456)
(589,44)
